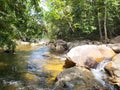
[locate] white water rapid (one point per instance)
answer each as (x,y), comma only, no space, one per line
(101,76)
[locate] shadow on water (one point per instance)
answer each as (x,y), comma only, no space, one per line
(27,69)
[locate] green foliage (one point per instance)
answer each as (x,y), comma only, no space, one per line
(29,20)
(70,19)
(19,20)
(79,18)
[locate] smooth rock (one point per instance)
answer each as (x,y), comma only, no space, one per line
(88,55)
(113,69)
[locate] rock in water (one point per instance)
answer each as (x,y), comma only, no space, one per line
(59,46)
(77,78)
(113,69)
(88,55)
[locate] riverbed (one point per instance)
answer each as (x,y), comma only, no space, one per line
(29,69)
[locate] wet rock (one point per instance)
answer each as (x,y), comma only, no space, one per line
(77,78)
(59,46)
(88,55)
(90,63)
(52,46)
(113,69)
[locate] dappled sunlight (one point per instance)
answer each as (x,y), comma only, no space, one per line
(25,47)
(53,67)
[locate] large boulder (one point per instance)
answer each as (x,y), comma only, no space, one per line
(113,68)
(77,78)
(115,40)
(88,55)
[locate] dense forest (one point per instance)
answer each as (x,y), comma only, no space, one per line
(30,20)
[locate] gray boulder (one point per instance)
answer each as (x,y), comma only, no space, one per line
(58,46)
(77,78)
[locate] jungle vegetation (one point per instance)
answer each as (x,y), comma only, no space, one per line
(30,20)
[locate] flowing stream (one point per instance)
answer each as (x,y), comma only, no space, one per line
(28,69)
(101,75)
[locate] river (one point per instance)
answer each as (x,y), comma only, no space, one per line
(28,69)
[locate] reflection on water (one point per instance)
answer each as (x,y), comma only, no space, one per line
(28,69)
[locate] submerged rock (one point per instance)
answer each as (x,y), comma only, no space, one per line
(88,55)
(113,69)
(77,78)
(30,77)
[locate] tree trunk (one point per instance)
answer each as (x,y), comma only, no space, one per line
(100,30)
(105,21)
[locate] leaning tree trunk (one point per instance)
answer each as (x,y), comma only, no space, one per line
(105,21)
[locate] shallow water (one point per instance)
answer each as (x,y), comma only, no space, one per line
(28,69)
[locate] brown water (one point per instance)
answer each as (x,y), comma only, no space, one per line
(28,69)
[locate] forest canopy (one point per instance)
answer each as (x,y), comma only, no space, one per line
(29,20)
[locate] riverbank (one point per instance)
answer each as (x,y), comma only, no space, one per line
(22,45)
(61,46)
